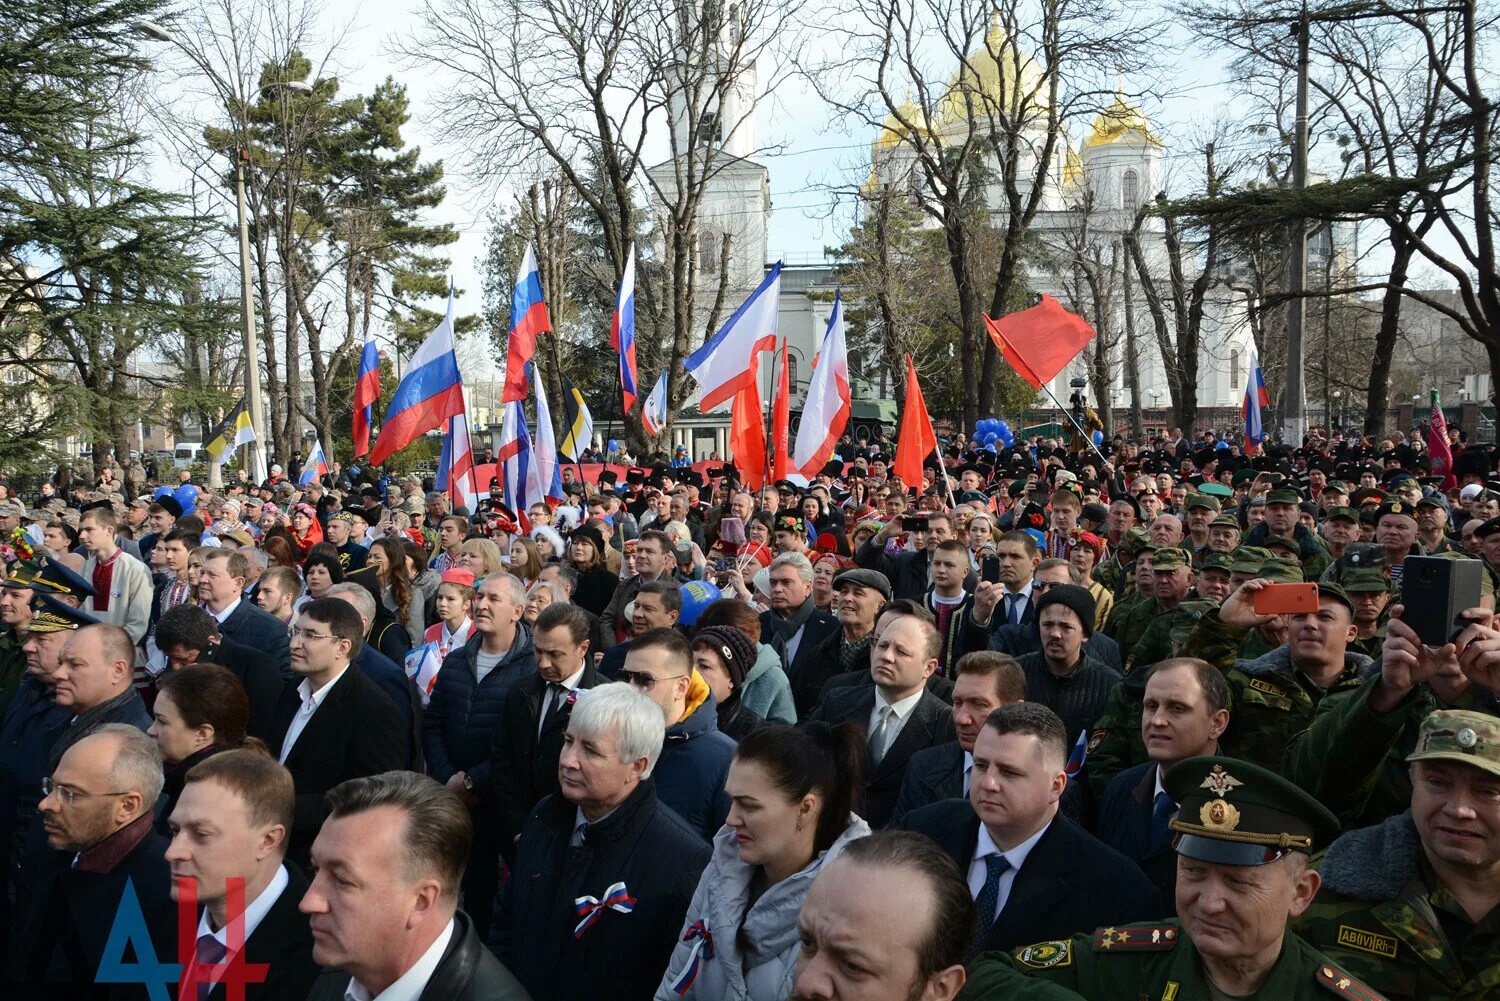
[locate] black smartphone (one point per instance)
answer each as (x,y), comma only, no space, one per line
(913,523)
(1435,591)
(989,569)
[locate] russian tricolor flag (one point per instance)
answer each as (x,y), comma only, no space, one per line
(366,392)
(455,472)
(1256,400)
(654,411)
(825,412)
(622,331)
(428,395)
(519,478)
(528,319)
(314,466)
(726,362)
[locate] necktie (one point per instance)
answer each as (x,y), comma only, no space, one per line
(880,738)
(1161,812)
(1013,608)
(211,952)
(988,900)
(555,695)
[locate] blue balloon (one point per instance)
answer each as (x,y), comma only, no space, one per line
(1221,445)
(696,596)
(1098,437)
(187,496)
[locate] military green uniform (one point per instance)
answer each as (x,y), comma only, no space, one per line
(1115,742)
(1231,814)
(1382,913)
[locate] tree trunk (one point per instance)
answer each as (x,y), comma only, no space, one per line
(1131,359)
(1378,390)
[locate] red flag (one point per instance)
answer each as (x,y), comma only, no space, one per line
(781,419)
(1438,448)
(1039,342)
(747,436)
(916,440)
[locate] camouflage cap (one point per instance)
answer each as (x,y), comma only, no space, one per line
(1187,615)
(1171,558)
(1216,561)
(1134,540)
(1459,735)
(1364,580)
(1336,487)
(1202,501)
(1337,593)
(1283,495)
(1225,521)
(12,508)
(1236,813)
(1272,541)
(1346,513)
(1281,571)
(1248,559)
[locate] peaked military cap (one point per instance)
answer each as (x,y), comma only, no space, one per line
(1232,812)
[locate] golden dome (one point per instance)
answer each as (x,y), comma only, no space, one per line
(892,131)
(1117,122)
(994,79)
(1072,174)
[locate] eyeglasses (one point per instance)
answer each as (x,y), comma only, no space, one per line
(642,680)
(307,637)
(68,796)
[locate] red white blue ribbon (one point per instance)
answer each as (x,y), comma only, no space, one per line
(703,948)
(616,898)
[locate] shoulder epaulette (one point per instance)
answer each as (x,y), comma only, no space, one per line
(1345,986)
(1145,937)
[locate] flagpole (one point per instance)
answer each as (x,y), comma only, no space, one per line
(1074,421)
(770,466)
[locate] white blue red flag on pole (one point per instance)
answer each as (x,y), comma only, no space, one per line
(548,473)
(314,466)
(727,361)
(1257,400)
(429,393)
(366,392)
(519,480)
(528,318)
(622,332)
(654,412)
(825,412)
(455,472)
(1079,756)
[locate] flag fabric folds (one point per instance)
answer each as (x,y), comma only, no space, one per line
(455,472)
(315,465)
(233,431)
(578,423)
(528,318)
(366,392)
(747,436)
(781,419)
(520,481)
(1039,342)
(428,395)
(726,361)
(825,412)
(916,439)
(1438,447)
(622,333)
(548,472)
(1256,401)
(654,412)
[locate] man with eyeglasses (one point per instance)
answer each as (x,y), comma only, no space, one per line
(333,723)
(696,755)
(96,809)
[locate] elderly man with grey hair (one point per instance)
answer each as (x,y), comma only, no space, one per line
(604,873)
(96,809)
(795,628)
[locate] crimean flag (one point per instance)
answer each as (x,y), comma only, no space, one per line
(781,419)
(1039,342)
(578,423)
(825,412)
(1257,401)
(727,360)
(916,439)
(1438,448)
(233,431)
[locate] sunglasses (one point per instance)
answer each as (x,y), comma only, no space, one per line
(645,682)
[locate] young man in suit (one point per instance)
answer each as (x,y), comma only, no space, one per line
(231,823)
(334,724)
(221,590)
(1186,711)
(1034,873)
(898,713)
(528,741)
(1009,602)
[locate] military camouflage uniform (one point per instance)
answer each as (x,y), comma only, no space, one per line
(1132,625)
(1115,742)
(1314,554)
(1151,961)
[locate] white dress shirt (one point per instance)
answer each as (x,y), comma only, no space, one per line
(968,772)
(548,693)
(228,611)
(409,986)
(1016,857)
(311,700)
(255,912)
(902,712)
(1022,598)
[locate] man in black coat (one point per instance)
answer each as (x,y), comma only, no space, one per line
(399,841)
(899,715)
(231,822)
(1062,676)
(529,739)
(1185,712)
(389,676)
(334,724)
(795,629)
(221,590)
(188,634)
(1034,874)
(100,839)
(604,873)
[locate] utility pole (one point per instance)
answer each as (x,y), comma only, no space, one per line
(1294,421)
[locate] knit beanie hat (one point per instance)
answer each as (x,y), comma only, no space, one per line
(588,533)
(733,646)
(1074,597)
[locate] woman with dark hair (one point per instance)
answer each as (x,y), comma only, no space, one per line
(792,811)
(388,560)
(319,573)
(596,584)
(280,549)
(200,710)
(424,581)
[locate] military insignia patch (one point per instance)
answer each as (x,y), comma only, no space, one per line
(1220,782)
(1267,687)
(1170,993)
(1367,941)
(1046,955)
(1219,815)
(1096,739)
(1136,938)
(1345,986)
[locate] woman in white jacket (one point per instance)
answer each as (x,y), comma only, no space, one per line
(791,794)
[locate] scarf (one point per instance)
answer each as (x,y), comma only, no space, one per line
(786,627)
(849,653)
(86,723)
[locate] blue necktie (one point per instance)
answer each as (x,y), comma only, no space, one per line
(1160,814)
(988,900)
(1013,608)
(211,952)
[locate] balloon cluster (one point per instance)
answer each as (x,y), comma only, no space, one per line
(994,434)
(186,495)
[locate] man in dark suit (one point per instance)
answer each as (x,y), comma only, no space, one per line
(390,677)
(1025,637)
(898,713)
(334,724)
(402,840)
(188,634)
(795,629)
(529,739)
(231,822)
(221,590)
(1010,602)
(1186,711)
(1034,874)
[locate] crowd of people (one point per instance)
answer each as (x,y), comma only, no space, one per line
(1020,731)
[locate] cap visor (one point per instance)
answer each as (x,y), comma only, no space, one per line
(1195,846)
